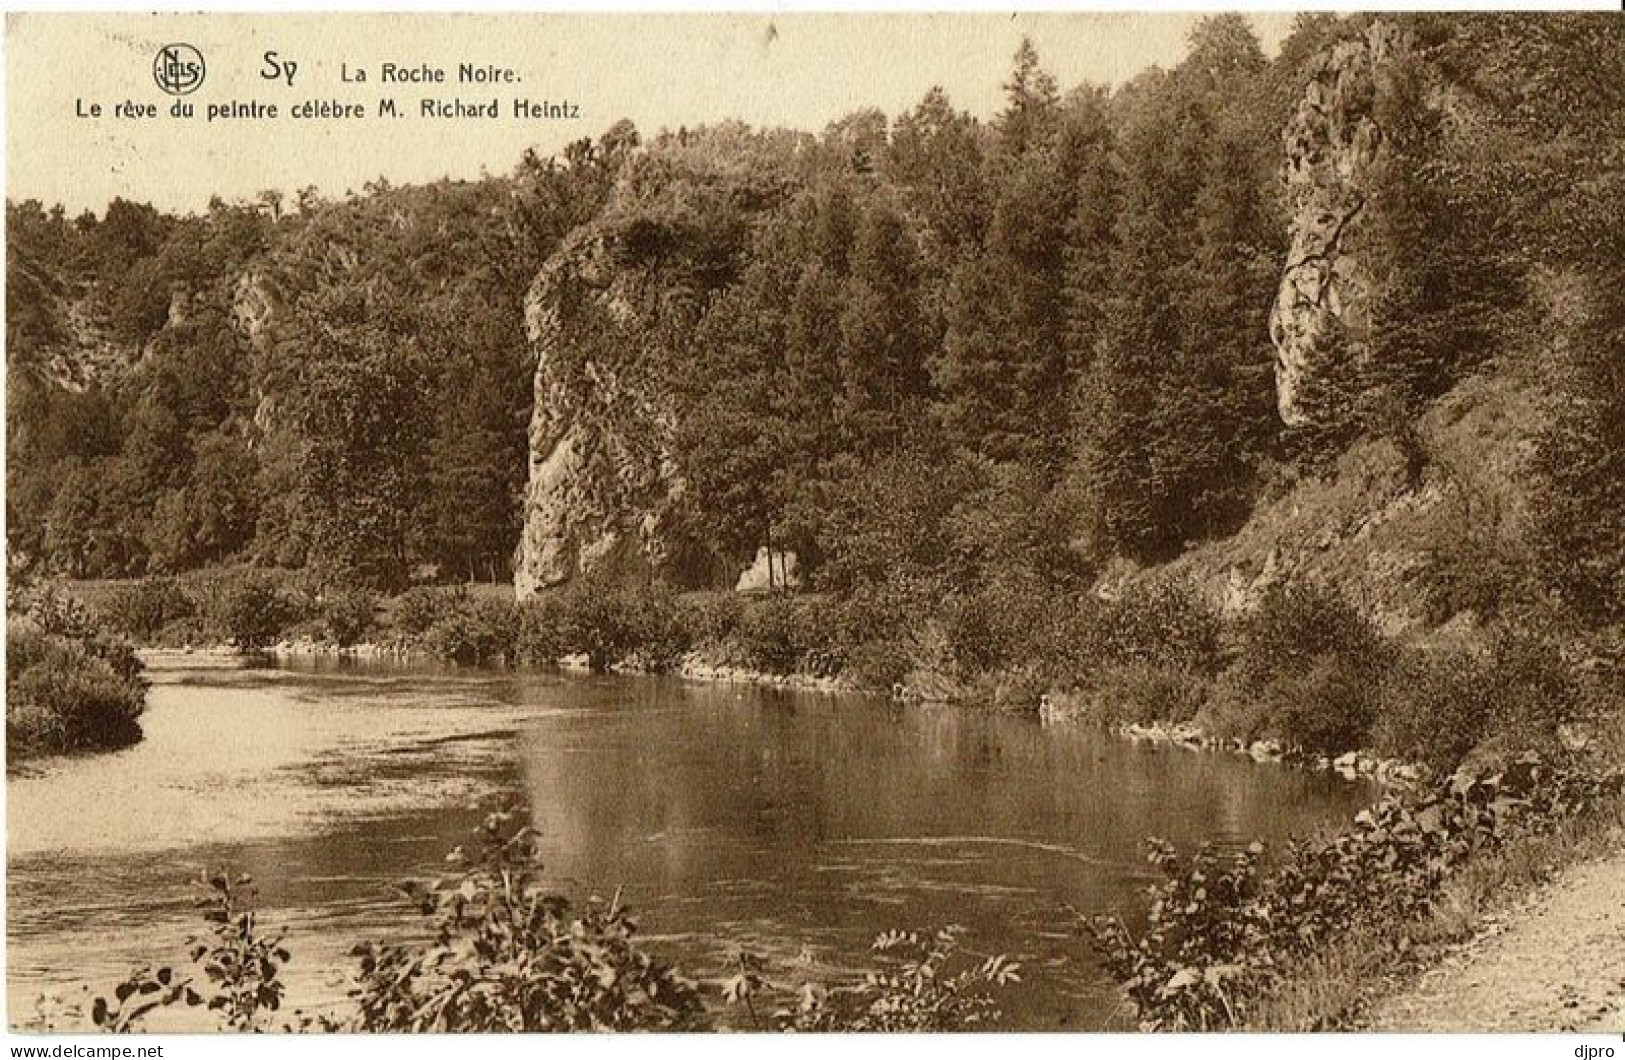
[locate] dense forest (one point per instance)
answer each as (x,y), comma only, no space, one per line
(953,367)
(1064,312)
(1266,403)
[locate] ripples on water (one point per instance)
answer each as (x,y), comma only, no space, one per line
(797,825)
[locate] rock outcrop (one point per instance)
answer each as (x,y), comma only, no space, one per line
(602,479)
(604,317)
(1320,320)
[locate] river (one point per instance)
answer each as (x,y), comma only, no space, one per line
(797,825)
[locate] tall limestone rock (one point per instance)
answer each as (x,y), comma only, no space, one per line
(604,317)
(602,479)
(1320,322)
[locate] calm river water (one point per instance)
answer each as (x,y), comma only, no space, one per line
(795,824)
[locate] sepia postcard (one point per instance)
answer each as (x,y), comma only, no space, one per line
(845,522)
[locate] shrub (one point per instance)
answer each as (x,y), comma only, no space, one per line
(1167,623)
(542,633)
(1433,709)
(1328,708)
(883,662)
(249,608)
(415,610)
(604,620)
(710,619)
(252,613)
(928,984)
(611,624)
(660,635)
(240,968)
(46,608)
(1437,705)
(143,608)
(871,636)
(1143,692)
(1186,972)
(785,633)
(507,955)
(992,626)
(1308,671)
(1074,646)
(474,631)
(346,615)
(1163,625)
(1223,932)
(64,694)
(768,634)
(1295,623)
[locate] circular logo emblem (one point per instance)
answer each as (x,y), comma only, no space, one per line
(178,69)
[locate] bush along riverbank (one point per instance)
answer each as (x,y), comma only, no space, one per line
(507,954)
(1307,940)
(70,686)
(1304,675)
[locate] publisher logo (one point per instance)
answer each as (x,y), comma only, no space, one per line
(178,69)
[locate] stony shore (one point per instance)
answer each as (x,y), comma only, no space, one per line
(1065,710)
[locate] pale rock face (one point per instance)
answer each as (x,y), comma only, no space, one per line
(253,304)
(1332,143)
(785,569)
(602,478)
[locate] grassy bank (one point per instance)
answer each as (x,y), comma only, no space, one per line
(1336,988)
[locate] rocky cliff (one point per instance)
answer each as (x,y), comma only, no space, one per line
(1332,142)
(604,316)
(602,480)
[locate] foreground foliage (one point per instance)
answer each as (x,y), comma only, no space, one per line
(236,968)
(505,955)
(927,984)
(1224,930)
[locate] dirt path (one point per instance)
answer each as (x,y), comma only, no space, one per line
(1555,962)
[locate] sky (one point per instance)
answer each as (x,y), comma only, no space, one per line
(662,71)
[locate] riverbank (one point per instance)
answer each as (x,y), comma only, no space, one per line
(1319,935)
(1526,938)
(1351,765)
(694,666)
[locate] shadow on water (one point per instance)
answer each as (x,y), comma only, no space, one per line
(794,824)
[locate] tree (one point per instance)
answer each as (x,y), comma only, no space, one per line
(1177,406)
(883,338)
(1439,291)
(1031,99)
(1004,376)
(936,158)
(357,425)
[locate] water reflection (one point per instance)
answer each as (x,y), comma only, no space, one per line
(796,824)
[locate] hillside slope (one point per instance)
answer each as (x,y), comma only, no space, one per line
(1412,551)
